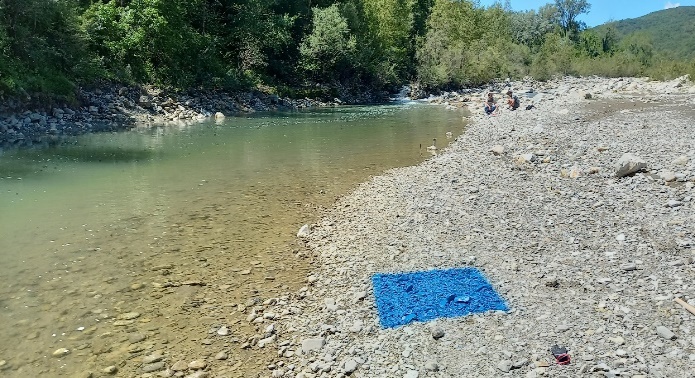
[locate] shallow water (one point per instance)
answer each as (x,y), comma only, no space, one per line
(179,224)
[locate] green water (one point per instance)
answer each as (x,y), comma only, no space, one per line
(86,226)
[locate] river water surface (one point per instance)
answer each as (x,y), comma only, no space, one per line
(119,246)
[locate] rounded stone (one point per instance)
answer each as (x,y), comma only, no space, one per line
(110,370)
(61,352)
(197,365)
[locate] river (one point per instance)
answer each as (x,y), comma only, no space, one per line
(118,245)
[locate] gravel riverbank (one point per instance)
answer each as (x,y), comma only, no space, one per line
(585,259)
(114,108)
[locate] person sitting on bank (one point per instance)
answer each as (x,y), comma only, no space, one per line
(490,106)
(512,101)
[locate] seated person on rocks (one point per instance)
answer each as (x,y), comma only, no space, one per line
(490,106)
(513,102)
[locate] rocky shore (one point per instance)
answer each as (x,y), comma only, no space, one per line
(113,108)
(579,212)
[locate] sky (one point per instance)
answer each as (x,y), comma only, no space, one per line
(604,11)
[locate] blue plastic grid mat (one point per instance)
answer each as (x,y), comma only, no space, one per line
(402,298)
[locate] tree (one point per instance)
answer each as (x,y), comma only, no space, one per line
(328,50)
(529,28)
(568,11)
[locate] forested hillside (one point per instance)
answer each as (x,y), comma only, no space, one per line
(296,46)
(671,31)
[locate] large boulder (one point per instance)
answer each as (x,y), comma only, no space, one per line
(629,164)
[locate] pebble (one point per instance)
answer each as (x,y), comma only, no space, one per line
(313,344)
(665,333)
(180,366)
(505,366)
(350,365)
(221,356)
(110,370)
(412,374)
(134,338)
(431,366)
(129,316)
(223,331)
(62,352)
(155,357)
(437,333)
(149,368)
(197,365)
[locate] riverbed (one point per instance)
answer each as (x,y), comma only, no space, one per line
(123,246)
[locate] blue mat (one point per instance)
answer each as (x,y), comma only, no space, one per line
(402,298)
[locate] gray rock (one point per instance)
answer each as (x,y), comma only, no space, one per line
(304,231)
(629,164)
(437,333)
(668,176)
(134,338)
(144,101)
(180,366)
(665,333)
(110,370)
(152,358)
(681,160)
(505,366)
(62,352)
(350,366)
(149,368)
(673,203)
(497,150)
(431,366)
(197,365)
(223,331)
(412,374)
(198,374)
(313,344)
(628,267)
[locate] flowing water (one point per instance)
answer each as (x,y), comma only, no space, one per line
(117,246)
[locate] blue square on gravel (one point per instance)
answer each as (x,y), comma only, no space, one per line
(402,298)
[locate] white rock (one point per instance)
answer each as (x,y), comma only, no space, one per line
(304,231)
(313,344)
(61,352)
(629,164)
(350,365)
(497,150)
(223,331)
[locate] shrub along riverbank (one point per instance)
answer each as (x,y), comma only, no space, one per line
(300,48)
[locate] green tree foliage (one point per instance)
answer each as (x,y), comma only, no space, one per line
(153,40)
(468,45)
(42,47)
(568,11)
(52,46)
(328,51)
(389,28)
(529,28)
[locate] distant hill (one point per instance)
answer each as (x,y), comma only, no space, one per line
(672,30)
